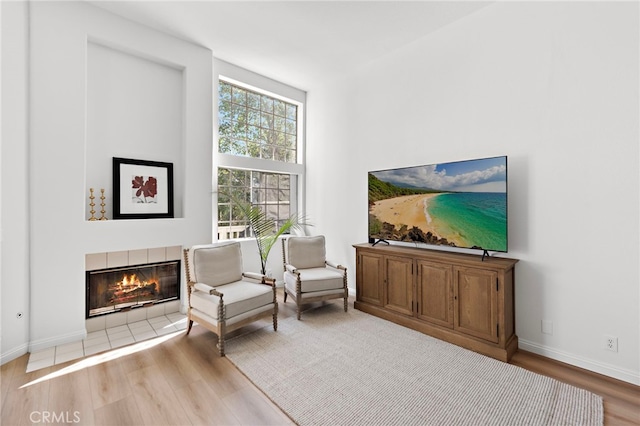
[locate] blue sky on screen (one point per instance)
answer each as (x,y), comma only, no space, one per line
(482,175)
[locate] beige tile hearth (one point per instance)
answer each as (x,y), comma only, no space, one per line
(110,338)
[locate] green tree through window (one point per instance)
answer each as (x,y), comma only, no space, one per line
(256,125)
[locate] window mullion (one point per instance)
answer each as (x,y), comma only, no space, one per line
(250,163)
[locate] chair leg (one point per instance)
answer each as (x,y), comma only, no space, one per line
(346,304)
(285,295)
(220,346)
(299,305)
(189,326)
(299,296)
(222,329)
(275,318)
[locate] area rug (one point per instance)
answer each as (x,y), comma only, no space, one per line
(337,368)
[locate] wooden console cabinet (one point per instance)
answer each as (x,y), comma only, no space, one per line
(451,296)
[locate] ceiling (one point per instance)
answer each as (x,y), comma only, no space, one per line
(296,42)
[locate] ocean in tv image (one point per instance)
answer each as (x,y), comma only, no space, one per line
(461,204)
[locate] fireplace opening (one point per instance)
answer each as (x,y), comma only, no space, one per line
(129,287)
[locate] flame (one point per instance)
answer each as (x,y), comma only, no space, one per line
(132,282)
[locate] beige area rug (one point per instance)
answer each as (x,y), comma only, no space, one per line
(336,368)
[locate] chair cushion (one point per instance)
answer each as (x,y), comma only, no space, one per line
(306,252)
(315,279)
(239,297)
(216,264)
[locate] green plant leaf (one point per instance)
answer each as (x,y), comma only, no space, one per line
(264,229)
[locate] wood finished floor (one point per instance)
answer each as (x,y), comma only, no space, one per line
(182,381)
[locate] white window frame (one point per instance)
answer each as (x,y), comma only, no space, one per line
(260,84)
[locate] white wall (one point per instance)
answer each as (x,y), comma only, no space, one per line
(335,160)
(75,127)
(555,87)
(14,219)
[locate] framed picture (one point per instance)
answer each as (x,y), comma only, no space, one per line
(142,189)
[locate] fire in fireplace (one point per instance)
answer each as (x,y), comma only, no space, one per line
(115,289)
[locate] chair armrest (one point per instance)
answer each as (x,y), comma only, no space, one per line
(207,289)
(259,277)
(291,269)
(335,265)
(253,275)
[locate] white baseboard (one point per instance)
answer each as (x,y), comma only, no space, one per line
(76,336)
(13,353)
(629,376)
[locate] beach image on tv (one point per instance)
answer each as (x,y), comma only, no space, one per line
(460,204)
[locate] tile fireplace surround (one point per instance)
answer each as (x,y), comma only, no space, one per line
(118,329)
(96,261)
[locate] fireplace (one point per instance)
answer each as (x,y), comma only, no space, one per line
(129,287)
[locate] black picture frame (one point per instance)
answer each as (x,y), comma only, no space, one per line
(142,189)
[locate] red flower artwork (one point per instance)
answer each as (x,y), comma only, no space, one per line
(145,189)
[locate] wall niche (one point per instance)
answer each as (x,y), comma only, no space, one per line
(134,110)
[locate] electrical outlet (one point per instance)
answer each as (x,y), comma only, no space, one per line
(547,327)
(611,343)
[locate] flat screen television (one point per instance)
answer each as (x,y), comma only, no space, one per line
(458,204)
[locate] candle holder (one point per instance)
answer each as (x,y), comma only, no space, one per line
(102,204)
(92,204)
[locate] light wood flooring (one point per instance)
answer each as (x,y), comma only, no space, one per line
(181,381)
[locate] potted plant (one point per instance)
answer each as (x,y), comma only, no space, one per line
(265,230)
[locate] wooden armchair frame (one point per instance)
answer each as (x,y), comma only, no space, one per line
(309,298)
(221,329)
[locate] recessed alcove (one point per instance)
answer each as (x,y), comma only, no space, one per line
(135,111)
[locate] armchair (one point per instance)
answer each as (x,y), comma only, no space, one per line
(308,275)
(221,297)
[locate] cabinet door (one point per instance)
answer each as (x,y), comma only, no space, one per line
(370,278)
(435,293)
(399,284)
(476,303)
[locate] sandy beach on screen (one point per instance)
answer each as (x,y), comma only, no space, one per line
(409,209)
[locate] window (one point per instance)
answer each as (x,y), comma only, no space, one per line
(271,192)
(255,125)
(259,141)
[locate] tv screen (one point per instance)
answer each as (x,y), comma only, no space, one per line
(459,204)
